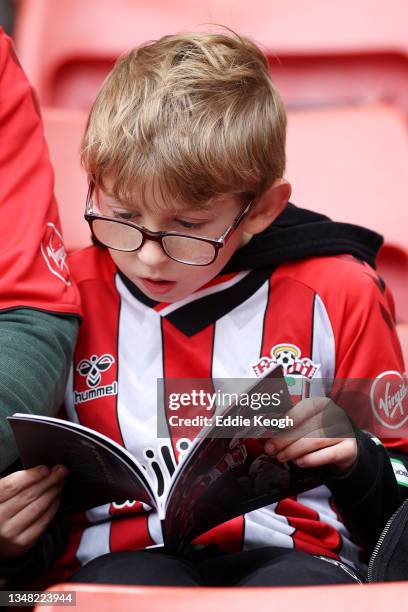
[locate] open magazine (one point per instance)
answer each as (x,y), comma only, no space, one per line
(224,474)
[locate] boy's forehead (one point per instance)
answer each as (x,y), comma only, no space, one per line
(153,201)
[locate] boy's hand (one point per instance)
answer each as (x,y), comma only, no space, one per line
(321,435)
(29,500)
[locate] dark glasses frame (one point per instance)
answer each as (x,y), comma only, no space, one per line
(217,243)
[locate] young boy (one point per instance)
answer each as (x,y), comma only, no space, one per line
(203,270)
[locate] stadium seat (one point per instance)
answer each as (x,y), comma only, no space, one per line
(63,131)
(321,53)
(364,598)
(351,164)
(67,47)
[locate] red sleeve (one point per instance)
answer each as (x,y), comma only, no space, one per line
(33,268)
(369,361)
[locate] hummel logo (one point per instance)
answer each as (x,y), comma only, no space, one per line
(92,368)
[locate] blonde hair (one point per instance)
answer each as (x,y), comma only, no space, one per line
(193,115)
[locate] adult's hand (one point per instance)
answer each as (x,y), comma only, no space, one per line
(29,500)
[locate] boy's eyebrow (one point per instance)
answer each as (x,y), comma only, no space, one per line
(197,209)
(204,207)
(174,210)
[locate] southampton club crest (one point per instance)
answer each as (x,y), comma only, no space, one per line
(295,367)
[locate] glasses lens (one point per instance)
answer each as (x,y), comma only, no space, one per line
(117,235)
(189,250)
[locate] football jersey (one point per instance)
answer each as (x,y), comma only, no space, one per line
(321,319)
(33,266)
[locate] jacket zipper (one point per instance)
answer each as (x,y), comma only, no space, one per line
(379,544)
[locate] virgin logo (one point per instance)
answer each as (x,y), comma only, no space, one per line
(388,392)
(53,251)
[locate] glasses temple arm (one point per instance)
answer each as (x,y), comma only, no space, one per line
(236,222)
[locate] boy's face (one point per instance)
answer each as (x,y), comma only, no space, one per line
(150,269)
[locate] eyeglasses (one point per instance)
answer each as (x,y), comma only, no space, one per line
(122,235)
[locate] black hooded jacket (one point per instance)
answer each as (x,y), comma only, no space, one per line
(298,234)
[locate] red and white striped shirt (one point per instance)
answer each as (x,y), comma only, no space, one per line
(323,318)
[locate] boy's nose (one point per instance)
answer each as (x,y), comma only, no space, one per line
(152,253)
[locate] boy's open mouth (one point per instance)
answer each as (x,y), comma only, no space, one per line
(157,286)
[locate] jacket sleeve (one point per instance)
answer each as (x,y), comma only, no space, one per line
(35,357)
(371,387)
(368,495)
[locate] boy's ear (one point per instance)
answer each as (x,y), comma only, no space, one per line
(268,207)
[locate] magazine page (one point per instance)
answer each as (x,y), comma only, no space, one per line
(227,473)
(100,471)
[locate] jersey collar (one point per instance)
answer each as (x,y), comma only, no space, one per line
(206,305)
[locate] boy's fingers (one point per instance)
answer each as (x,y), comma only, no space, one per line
(306,417)
(304,446)
(12,485)
(307,408)
(309,429)
(315,417)
(321,409)
(334,429)
(344,453)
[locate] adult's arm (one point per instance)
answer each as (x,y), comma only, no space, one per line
(36,352)
(39,304)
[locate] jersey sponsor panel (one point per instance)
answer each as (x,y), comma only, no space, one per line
(389,399)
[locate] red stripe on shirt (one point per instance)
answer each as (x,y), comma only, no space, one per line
(188,358)
(99,337)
